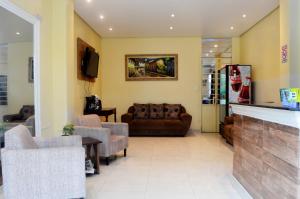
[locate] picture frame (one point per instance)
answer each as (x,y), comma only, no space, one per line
(151,67)
(30,70)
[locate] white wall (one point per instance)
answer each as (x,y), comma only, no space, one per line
(20,91)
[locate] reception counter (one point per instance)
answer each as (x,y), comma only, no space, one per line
(267,150)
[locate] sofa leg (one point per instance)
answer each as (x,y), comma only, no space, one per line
(107,161)
(125,152)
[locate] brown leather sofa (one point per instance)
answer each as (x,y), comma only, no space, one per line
(157,120)
(25,112)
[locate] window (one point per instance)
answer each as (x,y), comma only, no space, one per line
(3,90)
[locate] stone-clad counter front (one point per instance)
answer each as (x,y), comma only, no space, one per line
(266,153)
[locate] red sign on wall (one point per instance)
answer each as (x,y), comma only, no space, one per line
(284,54)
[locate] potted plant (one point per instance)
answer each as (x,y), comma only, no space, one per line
(68,130)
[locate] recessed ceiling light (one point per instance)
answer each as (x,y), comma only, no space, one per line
(216,45)
(172,15)
(110,29)
(211,51)
(171,28)
(206,54)
(244,15)
(89,1)
(101,17)
(18,33)
(231,28)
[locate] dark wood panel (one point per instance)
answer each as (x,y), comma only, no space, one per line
(282,145)
(250,184)
(279,186)
(266,158)
(282,167)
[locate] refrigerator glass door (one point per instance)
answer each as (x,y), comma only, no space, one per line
(239,84)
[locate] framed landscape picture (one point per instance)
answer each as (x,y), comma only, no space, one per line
(148,67)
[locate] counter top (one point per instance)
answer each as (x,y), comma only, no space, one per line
(269,105)
(269,113)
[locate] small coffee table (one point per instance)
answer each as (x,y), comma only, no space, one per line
(92,143)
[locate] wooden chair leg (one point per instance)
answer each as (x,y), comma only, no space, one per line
(107,161)
(125,152)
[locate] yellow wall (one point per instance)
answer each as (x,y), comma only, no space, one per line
(289,35)
(56,39)
(116,92)
(79,87)
(260,48)
(236,50)
(284,39)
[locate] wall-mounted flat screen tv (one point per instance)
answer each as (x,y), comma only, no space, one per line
(90,63)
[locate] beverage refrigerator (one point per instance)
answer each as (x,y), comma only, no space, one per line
(234,87)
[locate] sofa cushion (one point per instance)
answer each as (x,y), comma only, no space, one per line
(154,124)
(172,111)
(26,111)
(19,137)
(141,111)
(156,111)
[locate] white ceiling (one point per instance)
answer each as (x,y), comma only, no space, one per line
(10,24)
(151,18)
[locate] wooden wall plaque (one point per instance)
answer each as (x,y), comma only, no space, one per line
(81,46)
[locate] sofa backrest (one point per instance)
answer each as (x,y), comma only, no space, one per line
(92,121)
(26,111)
(18,138)
(131,109)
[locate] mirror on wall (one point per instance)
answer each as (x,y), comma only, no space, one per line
(16,72)
(216,53)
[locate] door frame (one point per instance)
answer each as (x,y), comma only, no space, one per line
(35,21)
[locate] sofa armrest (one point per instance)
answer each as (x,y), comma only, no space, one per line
(127,118)
(13,117)
(228,120)
(54,172)
(186,119)
(116,128)
(62,141)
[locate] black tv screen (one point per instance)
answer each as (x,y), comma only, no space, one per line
(90,63)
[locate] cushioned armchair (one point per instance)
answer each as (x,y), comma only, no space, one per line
(114,136)
(35,168)
(25,112)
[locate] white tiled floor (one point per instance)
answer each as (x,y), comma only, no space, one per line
(195,167)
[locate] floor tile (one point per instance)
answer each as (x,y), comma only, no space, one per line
(198,166)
